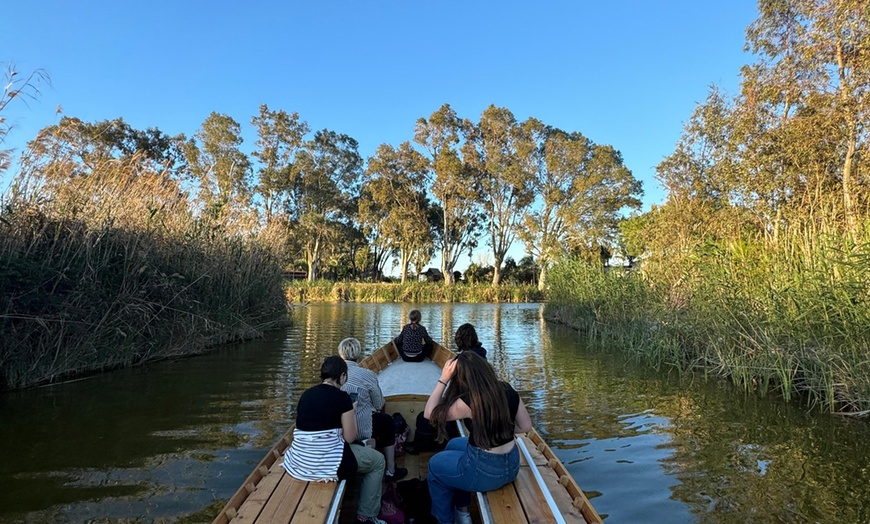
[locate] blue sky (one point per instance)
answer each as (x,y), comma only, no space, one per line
(625,73)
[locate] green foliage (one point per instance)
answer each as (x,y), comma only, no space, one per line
(326,291)
(583,188)
(393,206)
(459,211)
(502,152)
(792,320)
(221,170)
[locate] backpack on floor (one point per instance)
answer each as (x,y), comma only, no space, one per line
(425,434)
(416,500)
(391,505)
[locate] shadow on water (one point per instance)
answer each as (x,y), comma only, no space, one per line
(170,442)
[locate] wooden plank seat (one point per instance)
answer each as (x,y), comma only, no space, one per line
(523,501)
(281,499)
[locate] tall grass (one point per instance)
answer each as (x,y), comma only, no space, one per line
(790,318)
(324,291)
(113,269)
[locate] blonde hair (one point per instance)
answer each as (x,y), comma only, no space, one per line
(350,349)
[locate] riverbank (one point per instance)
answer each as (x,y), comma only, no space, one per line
(799,334)
(89,285)
(383,292)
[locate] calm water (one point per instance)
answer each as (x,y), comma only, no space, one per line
(170,442)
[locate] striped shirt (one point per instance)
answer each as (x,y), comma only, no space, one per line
(364,383)
(314,455)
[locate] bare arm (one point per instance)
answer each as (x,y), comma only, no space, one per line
(348,425)
(523,422)
(438,392)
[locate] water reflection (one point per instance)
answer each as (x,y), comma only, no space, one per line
(171,441)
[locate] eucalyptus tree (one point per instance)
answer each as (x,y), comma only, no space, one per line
(324,180)
(454,186)
(280,136)
(393,205)
(80,146)
(502,151)
(221,170)
(582,188)
(813,73)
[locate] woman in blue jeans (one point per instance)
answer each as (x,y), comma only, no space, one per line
(488,458)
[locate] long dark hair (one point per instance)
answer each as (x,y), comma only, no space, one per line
(476,384)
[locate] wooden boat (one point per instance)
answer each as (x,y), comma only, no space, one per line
(543,492)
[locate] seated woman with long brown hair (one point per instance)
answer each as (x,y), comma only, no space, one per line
(488,458)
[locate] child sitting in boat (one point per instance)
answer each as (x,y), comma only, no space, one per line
(321,449)
(414,343)
(466,340)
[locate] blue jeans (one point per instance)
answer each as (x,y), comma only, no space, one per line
(460,469)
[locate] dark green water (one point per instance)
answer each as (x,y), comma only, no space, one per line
(170,442)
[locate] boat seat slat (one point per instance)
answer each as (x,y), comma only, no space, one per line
(284,500)
(253,505)
(315,503)
(505,505)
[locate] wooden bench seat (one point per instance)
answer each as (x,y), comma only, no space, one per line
(523,502)
(281,499)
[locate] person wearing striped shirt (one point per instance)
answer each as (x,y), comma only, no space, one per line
(321,449)
(370,420)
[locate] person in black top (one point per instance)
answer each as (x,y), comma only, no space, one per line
(414,343)
(466,340)
(325,412)
(489,458)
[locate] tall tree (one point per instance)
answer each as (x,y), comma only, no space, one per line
(280,136)
(502,152)
(221,169)
(324,179)
(393,206)
(582,189)
(454,187)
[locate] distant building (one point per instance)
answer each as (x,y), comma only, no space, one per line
(431,275)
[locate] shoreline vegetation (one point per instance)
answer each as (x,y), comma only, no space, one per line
(90,285)
(418,292)
(772,322)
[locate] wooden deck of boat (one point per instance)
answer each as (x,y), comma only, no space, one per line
(270,496)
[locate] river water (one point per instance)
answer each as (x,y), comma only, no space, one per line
(172,441)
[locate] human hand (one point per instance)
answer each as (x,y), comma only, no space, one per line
(448,370)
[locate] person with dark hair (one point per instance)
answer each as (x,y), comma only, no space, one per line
(466,340)
(488,458)
(371,422)
(321,449)
(414,343)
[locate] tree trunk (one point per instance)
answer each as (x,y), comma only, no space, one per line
(542,279)
(403,264)
(496,274)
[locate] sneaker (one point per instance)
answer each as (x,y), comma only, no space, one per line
(370,520)
(399,474)
(462,517)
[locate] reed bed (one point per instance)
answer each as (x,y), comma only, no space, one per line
(790,319)
(113,269)
(381,292)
